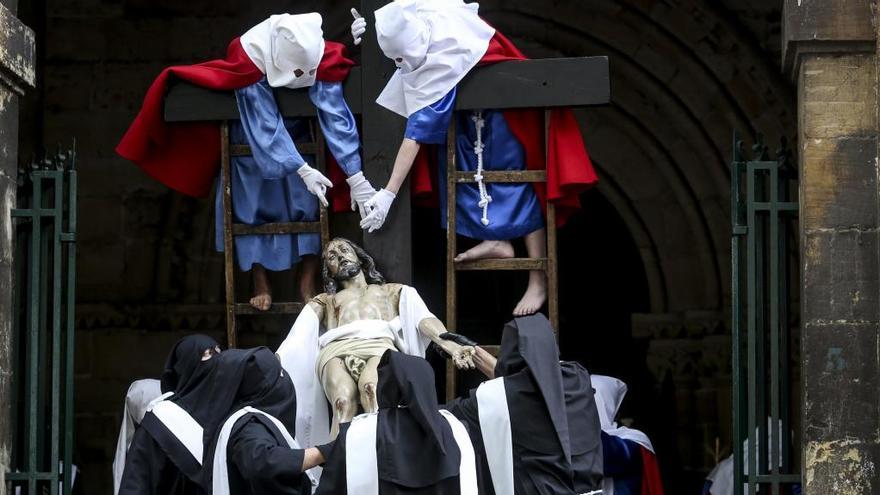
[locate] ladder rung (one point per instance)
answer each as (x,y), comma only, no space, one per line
(503,176)
(492,349)
(276,228)
(308,148)
(504,264)
(282,308)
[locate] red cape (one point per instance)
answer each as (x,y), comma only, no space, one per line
(185,155)
(651,484)
(569,171)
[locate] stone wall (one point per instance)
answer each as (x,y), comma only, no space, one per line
(831,51)
(684,75)
(17,70)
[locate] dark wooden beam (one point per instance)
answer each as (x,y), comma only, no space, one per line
(382,134)
(188,103)
(543,83)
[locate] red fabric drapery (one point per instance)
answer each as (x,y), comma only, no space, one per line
(185,156)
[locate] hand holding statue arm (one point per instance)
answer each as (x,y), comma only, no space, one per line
(380,203)
(483,361)
(462,355)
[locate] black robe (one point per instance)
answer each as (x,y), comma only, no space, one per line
(583,427)
(261,463)
(156,462)
(259,460)
(149,471)
(416,452)
(539,467)
(536,400)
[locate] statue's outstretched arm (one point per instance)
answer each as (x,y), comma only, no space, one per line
(462,355)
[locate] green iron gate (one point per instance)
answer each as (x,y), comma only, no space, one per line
(764,211)
(44,286)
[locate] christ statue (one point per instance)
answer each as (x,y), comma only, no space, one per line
(343,332)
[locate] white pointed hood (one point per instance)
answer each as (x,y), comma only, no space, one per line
(434,44)
(284,44)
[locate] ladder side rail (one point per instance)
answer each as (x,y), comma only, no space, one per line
(552,273)
(228,242)
(451,293)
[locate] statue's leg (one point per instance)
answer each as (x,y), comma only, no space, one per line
(536,292)
(367,384)
(342,392)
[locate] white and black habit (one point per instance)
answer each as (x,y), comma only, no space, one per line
(584,428)
(255,452)
(165,454)
(408,447)
(519,421)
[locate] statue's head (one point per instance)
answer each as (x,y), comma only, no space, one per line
(344,260)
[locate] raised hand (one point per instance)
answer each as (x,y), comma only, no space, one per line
(315,182)
(358,27)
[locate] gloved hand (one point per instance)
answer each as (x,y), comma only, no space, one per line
(378,207)
(361,191)
(358,27)
(458,339)
(315,181)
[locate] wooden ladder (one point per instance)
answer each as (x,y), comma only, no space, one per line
(548,264)
(230,229)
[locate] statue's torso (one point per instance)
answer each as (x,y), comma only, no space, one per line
(373,302)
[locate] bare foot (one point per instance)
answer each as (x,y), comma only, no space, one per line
(487,249)
(536,294)
(262,299)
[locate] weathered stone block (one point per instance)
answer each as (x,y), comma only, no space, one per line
(839,183)
(838,96)
(842,467)
(840,365)
(840,277)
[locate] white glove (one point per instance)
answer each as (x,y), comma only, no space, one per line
(378,207)
(358,27)
(315,181)
(361,191)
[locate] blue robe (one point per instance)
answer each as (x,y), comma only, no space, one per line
(622,460)
(266,187)
(514,210)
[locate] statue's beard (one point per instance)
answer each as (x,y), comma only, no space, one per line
(347,271)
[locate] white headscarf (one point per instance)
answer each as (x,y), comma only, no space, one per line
(284,44)
(609,396)
(434,44)
(140,395)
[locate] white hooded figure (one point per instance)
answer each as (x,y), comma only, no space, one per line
(609,394)
(287,48)
(434,44)
(140,396)
(265,188)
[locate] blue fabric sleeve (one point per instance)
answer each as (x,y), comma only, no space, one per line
(622,457)
(338,125)
(429,125)
(275,154)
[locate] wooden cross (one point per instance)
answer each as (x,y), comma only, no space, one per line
(542,83)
